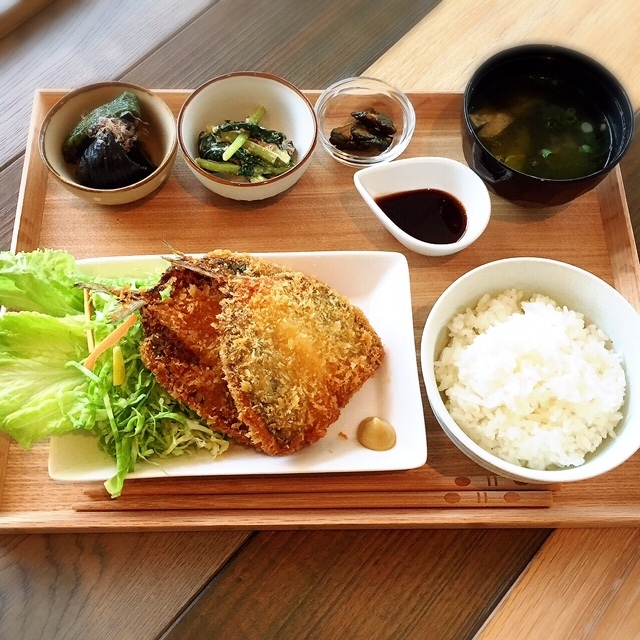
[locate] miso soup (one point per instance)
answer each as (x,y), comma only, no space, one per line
(542,128)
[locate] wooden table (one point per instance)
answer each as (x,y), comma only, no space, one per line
(309,584)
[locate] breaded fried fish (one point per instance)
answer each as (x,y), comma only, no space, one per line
(182,348)
(294,352)
(263,353)
(182,339)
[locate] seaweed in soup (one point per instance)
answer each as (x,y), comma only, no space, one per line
(545,129)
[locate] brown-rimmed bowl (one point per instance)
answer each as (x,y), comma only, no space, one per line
(159,142)
(234,97)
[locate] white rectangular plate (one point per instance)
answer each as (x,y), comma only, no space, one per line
(378,283)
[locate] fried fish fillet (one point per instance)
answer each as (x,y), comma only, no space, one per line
(182,341)
(182,349)
(262,353)
(293,352)
(221,265)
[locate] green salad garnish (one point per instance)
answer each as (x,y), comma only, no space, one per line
(45,387)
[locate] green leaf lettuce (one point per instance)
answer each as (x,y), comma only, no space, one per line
(45,389)
(40,281)
(37,389)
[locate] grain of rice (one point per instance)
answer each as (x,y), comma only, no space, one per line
(530,381)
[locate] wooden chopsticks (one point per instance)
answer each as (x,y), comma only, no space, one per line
(385,491)
(349,500)
(423,479)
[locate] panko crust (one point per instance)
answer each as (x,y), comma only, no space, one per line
(294,353)
(265,354)
(182,346)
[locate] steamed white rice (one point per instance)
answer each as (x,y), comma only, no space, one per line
(530,381)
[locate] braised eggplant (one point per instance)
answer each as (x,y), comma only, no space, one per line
(106,145)
(375,122)
(356,137)
(107,164)
(341,137)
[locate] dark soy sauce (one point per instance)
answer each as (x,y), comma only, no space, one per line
(429,215)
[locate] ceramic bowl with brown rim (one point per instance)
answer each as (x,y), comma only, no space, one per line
(234,97)
(157,135)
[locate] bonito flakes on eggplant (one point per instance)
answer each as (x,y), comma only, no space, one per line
(106,145)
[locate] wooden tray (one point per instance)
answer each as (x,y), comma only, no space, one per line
(322,212)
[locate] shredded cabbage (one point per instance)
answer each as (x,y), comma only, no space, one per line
(46,390)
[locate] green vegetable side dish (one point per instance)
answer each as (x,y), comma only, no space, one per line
(245,149)
(45,389)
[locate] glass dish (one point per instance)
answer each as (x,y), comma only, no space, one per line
(337,102)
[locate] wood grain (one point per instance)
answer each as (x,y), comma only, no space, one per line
(359,585)
(630,167)
(451,576)
(65,45)
(99,502)
(17,12)
(311,44)
(618,229)
(104,587)
(441,53)
(9,188)
(325,197)
(584,584)
(396,481)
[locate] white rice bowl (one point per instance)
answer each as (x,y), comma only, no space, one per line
(539,383)
(529,381)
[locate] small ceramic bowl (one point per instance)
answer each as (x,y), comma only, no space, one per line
(160,141)
(234,97)
(580,291)
(571,79)
(337,102)
(414,174)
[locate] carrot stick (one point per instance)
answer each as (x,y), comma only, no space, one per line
(112,339)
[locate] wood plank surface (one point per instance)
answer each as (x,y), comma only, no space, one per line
(441,53)
(630,167)
(10,178)
(70,45)
(311,44)
(583,585)
(14,12)
(361,585)
(36,571)
(124,587)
